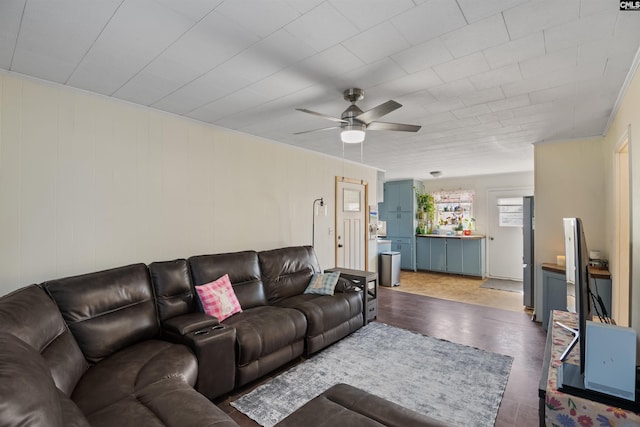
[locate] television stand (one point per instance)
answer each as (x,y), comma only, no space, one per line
(555,405)
(571,381)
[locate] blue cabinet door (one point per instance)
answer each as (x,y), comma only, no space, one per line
(382,211)
(423,253)
(472,257)
(400,224)
(454,256)
(438,254)
(406,253)
(404,246)
(406,196)
(391,197)
(554,292)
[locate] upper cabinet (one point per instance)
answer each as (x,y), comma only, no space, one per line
(400,196)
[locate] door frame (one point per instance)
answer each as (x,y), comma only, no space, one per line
(525,190)
(621,265)
(365,213)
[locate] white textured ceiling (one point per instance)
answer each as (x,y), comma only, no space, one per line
(484,78)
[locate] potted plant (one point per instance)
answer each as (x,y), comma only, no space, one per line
(426,209)
(467,225)
(425,204)
(459,229)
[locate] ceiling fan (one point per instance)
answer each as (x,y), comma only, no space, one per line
(354,121)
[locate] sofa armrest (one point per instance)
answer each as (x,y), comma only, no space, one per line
(186,323)
(214,346)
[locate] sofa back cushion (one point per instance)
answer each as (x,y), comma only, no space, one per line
(108,310)
(30,315)
(286,272)
(243,270)
(28,395)
(172,284)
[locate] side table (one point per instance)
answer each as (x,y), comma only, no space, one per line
(368,282)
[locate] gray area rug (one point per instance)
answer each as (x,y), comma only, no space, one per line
(452,382)
(503,285)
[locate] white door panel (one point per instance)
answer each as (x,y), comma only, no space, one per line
(350,221)
(505,243)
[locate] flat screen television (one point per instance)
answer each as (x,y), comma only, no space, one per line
(586,302)
(577,275)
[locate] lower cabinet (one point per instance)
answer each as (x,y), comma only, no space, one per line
(454,256)
(473,257)
(554,294)
(423,250)
(451,255)
(405,247)
(554,291)
(438,253)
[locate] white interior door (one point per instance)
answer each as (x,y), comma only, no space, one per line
(505,243)
(351,211)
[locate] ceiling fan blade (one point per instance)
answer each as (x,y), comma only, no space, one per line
(316,130)
(393,126)
(379,111)
(324,116)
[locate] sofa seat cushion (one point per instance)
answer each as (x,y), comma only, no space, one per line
(261,331)
(133,368)
(324,312)
(168,402)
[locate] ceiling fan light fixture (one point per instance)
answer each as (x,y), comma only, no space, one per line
(352,134)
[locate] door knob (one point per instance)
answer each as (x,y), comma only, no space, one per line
(490,238)
(339,245)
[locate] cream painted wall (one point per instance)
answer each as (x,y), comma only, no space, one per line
(88,183)
(569,182)
(627,120)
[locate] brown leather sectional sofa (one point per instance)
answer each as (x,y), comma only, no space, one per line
(129,345)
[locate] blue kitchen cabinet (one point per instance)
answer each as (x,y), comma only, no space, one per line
(399,196)
(401,218)
(382,211)
(400,224)
(454,256)
(423,253)
(405,247)
(473,258)
(438,254)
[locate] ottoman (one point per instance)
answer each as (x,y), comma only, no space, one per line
(345,405)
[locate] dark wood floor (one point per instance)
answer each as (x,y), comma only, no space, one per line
(491,329)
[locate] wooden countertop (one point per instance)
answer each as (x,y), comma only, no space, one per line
(469,237)
(594,272)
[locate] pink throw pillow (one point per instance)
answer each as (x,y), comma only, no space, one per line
(218,298)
